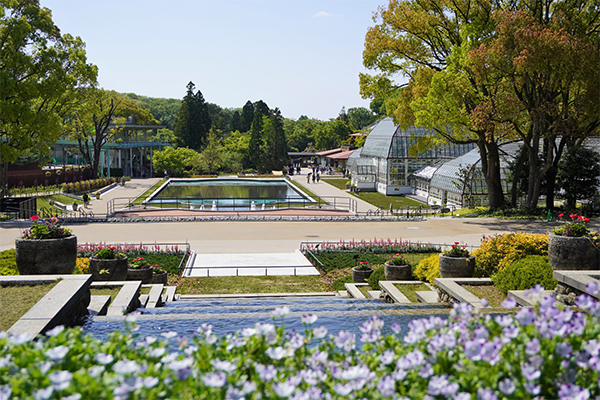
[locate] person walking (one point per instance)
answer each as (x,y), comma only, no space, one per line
(314,178)
(308,177)
(318,178)
(86,200)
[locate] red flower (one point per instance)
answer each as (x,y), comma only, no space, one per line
(34,218)
(561,215)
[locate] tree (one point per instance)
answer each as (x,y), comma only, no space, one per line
(210,158)
(276,143)
(578,175)
(236,121)
(255,147)
(360,117)
(299,133)
(193,120)
(177,162)
(331,134)
(247,116)
(40,70)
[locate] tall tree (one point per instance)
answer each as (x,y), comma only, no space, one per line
(360,117)
(255,147)
(193,120)
(578,175)
(40,70)
(236,122)
(276,143)
(247,116)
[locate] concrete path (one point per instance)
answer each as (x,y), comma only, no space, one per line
(323,189)
(264,264)
(132,189)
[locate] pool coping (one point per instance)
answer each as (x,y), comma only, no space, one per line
(250,295)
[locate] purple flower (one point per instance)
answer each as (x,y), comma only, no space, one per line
(5,392)
(314,393)
(55,331)
(214,379)
(60,379)
(309,319)
(525,316)
(584,302)
(484,303)
(320,332)
(125,366)
(507,386)
(426,371)
(530,372)
(509,302)
(462,396)
(486,394)
(569,391)
(592,347)
(150,382)
(265,372)
(20,339)
(532,388)
(396,328)
(436,384)
(356,372)
(345,340)
(387,357)
(276,353)
(342,389)
(473,349)
(503,320)
(223,365)
(283,389)
(387,386)
(593,288)
(104,358)
(532,347)
(280,311)
(43,394)
(182,369)
(57,353)
(564,349)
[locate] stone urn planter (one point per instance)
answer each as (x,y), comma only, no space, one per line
(140,274)
(457,267)
(397,272)
(46,256)
(361,275)
(572,253)
(114,269)
(159,278)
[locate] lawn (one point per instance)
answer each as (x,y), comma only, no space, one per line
(140,199)
(410,289)
(377,199)
(15,301)
(253,284)
(489,292)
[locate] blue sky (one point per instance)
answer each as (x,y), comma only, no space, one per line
(302,56)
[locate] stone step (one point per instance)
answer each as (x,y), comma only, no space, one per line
(374,294)
(127,300)
(427,296)
(99,305)
(353,290)
(143,300)
(343,293)
(155,296)
(392,291)
(169,294)
(523,298)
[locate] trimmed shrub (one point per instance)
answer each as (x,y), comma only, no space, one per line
(497,252)
(524,274)
(338,284)
(428,269)
(377,275)
(8,262)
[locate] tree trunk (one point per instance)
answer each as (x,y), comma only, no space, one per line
(514,196)
(490,166)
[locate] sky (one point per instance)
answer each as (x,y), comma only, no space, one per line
(302,56)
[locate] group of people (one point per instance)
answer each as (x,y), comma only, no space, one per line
(314,176)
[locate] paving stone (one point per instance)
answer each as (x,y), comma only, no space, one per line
(428,297)
(353,290)
(99,305)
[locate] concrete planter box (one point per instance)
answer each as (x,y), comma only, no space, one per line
(361,275)
(144,275)
(397,272)
(117,269)
(457,267)
(572,253)
(159,278)
(46,256)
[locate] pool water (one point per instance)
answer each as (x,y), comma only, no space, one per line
(228,192)
(184,316)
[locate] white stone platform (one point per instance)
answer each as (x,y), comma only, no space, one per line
(267,264)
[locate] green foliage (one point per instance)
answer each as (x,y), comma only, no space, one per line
(45,229)
(525,273)
(333,261)
(497,252)
(578,172)
(338,284)
(377,275)
(165,110)
(8,262)
(106,254)
(428,269)
(398,259)
(193,120)
(177,162)
(331,134)
(360,117)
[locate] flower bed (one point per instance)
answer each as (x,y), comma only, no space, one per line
(550,352)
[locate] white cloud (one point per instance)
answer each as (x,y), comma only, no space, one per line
(322,14)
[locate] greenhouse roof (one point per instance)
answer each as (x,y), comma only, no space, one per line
(379,141)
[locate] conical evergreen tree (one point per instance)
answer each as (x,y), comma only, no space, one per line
(247,116)
(276,146)
(255,147)
(193,122)
(236,122)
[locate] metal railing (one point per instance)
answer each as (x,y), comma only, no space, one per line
(237,270)
(243,204)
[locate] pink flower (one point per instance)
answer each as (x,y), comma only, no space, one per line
(34,218)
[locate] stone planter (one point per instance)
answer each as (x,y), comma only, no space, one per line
(457,267)
(361,275)
(46,256)
(144,275)
(159,278)
(572,253)
(397,272)
(117,269)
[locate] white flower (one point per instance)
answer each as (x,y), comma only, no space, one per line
(309,319)
(283,389)
(214,379)
(320,332)
(222,365)
(156,352)
(125,367)
(20,339)
(281,311)
(5,392)
(43,394)
(57,353)
(150,382)
(60,379)
(55,331)
(168,335)
(104,358)
(276,353)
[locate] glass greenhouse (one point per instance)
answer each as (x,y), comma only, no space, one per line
(384,164)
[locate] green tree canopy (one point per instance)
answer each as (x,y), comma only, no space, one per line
(176,161)
(40,70)
(193,120)
(578,175)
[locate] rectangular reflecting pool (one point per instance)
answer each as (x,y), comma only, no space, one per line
(228,193)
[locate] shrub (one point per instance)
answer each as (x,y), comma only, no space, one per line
(428,269)
(338,284)
(497,252)
(82,266)
(524,274)
(106,254)
(8,262)
(377,275)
